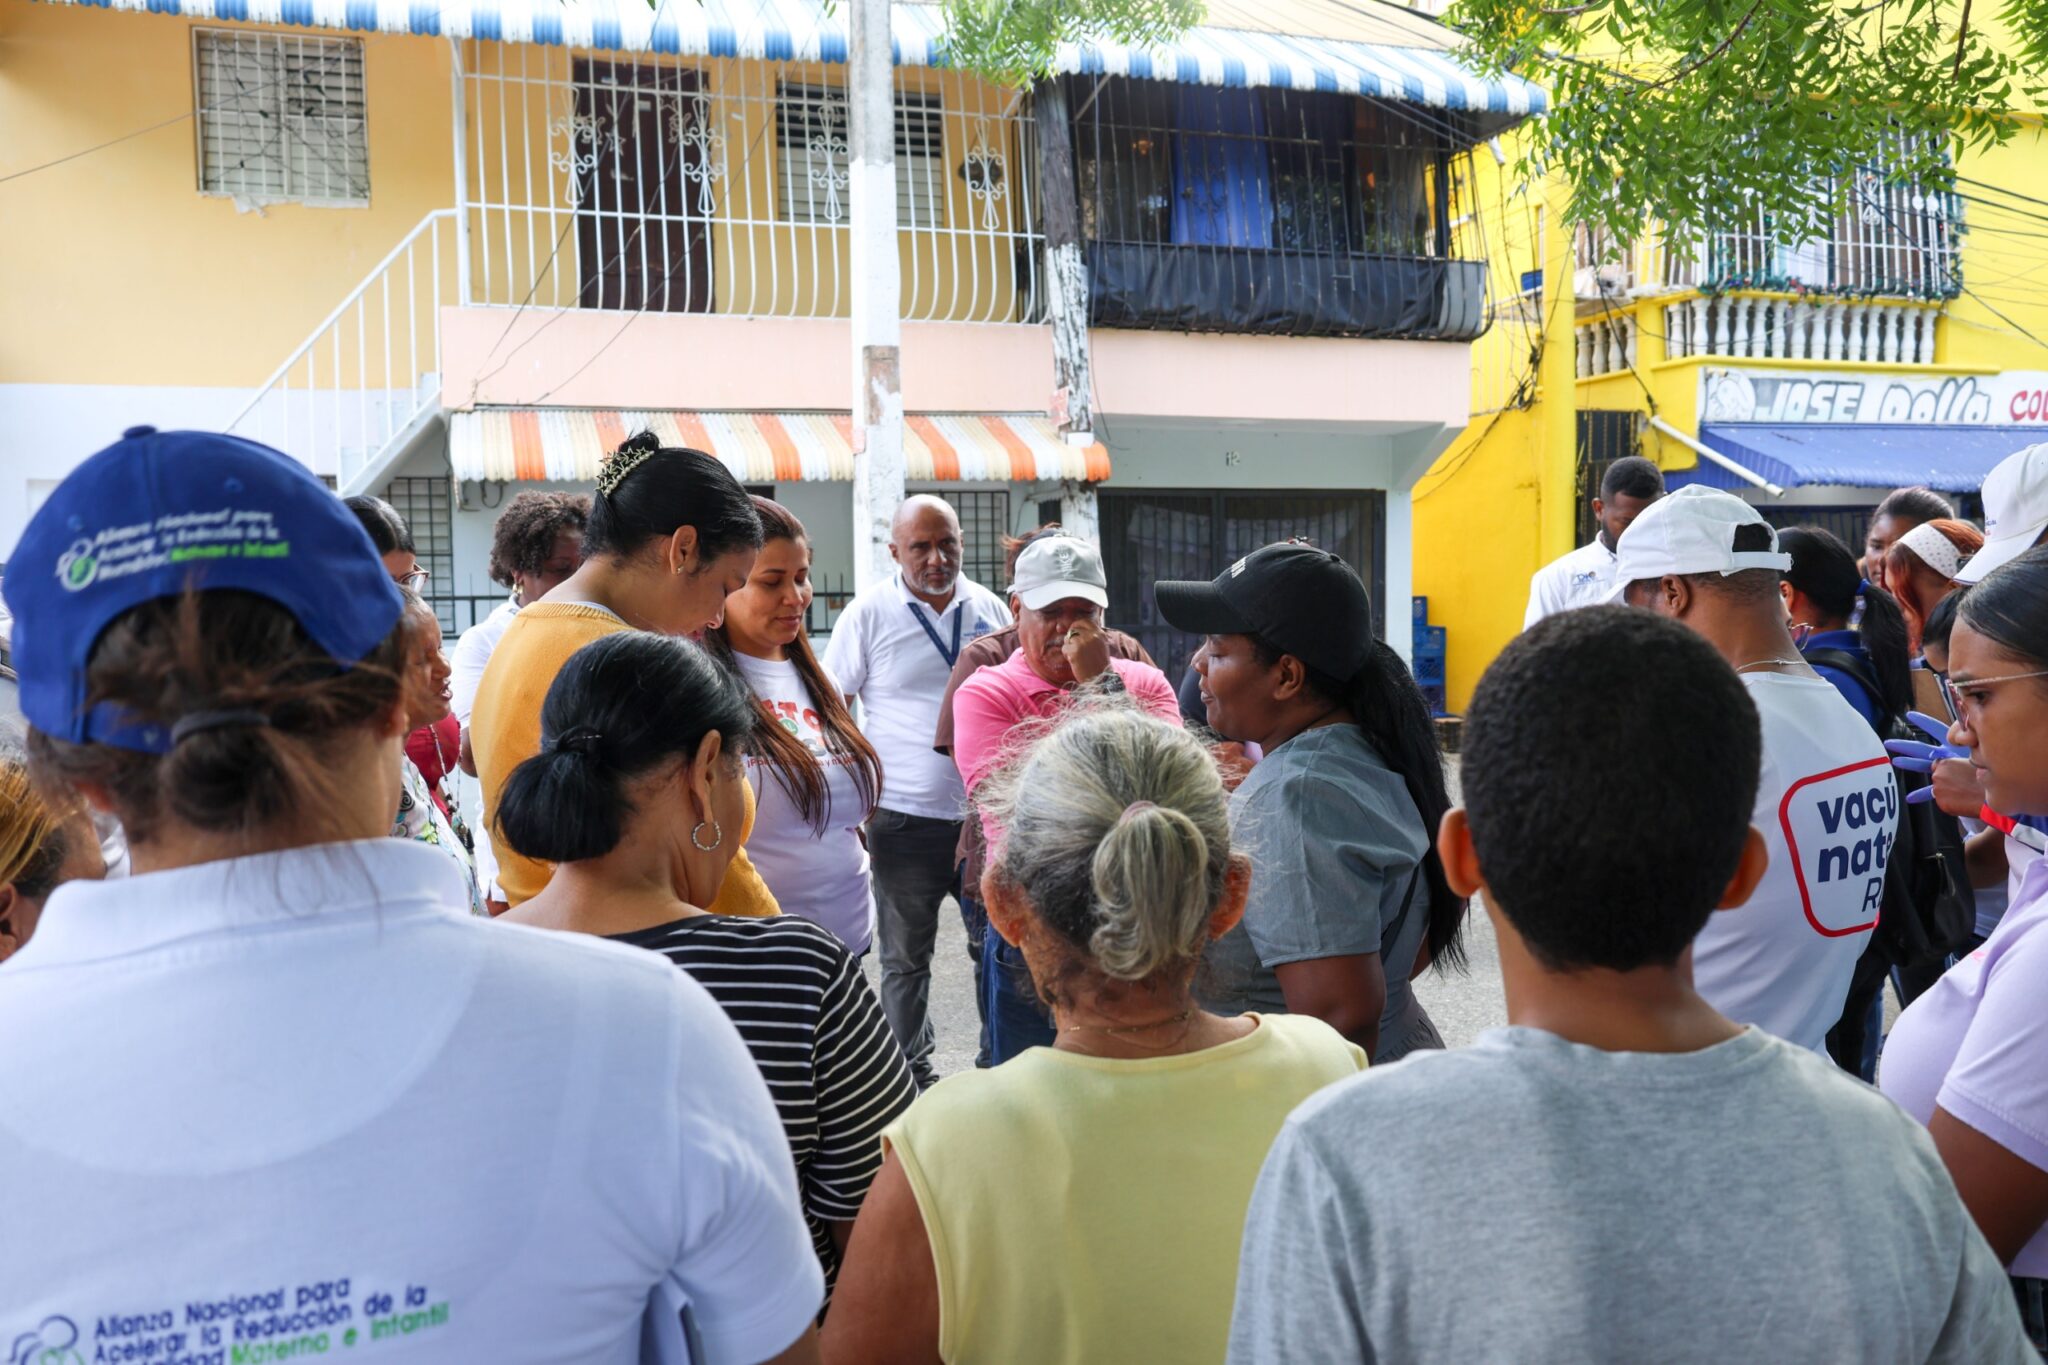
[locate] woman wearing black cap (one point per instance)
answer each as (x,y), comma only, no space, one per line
(1348,895)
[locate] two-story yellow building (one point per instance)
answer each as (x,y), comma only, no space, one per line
(450,248)
(1908,346)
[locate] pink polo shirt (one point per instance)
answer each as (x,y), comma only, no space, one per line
(997,698)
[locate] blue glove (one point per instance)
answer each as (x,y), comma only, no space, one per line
(1910,755)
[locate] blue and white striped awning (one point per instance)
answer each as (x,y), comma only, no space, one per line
(803,30)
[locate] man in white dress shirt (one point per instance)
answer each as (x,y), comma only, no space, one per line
(893,649)
(1585,577)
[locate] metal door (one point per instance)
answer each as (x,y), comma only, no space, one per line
(1148,536)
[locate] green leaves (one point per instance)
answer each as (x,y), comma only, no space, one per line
(1014,42)
(1701,113)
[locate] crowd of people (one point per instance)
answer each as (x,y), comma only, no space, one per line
(306,1054)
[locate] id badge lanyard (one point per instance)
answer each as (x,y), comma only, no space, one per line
(951,656)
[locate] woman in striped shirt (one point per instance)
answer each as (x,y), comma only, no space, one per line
(635,796)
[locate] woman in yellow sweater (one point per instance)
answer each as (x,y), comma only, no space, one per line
(672,534)
(1085,1201)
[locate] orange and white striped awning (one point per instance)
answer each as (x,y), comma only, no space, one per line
(567,444)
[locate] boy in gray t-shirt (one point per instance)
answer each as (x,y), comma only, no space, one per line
(1622,1174)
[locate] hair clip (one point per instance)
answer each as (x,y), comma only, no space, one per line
(622,462)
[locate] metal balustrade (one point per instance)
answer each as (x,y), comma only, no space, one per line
(1892,237)
(368,375)
(708,185)
(1758,326)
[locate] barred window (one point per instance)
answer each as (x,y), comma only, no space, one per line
(813,161)
(280,117)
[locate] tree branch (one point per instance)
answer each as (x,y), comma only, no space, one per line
(1962,33)
(1718,50)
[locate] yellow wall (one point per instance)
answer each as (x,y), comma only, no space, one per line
(1499,500)
(181,289)
(116,270)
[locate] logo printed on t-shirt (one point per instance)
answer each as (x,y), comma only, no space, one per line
(1839,829)
(241,1327)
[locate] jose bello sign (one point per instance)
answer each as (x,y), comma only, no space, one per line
(2011,398)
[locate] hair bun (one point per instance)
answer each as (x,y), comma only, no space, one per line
(631,454)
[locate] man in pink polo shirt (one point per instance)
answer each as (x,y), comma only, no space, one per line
(1062,652)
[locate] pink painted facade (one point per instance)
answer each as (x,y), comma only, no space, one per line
(503,357)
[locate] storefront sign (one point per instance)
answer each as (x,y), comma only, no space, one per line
(2012,398)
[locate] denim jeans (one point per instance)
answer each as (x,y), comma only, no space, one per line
(975,920)
(1016,1019)
(912,861)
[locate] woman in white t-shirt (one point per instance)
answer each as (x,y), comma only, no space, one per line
(816,778)
(279,1075)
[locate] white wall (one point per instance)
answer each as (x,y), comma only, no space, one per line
(47,430)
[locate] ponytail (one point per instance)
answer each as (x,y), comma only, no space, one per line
(1883,631)
(1389,709)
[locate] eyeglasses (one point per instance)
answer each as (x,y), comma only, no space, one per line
(1953,694)
(416,580)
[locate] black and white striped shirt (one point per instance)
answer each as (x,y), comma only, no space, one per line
(816,1031)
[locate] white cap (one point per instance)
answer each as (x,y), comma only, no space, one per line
(2015,512)
(1692,531)
(1054,568)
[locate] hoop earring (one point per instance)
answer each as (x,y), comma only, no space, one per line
(717,837)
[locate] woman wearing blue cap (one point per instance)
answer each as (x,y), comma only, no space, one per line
(1348,894)
(278,1089)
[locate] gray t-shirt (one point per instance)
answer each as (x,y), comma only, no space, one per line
(1531,1199)
(1336,846)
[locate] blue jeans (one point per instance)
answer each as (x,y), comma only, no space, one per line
(975,920)
(1016,1019)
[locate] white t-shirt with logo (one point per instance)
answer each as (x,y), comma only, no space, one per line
(1828,808)
(891,650)
(823,877)
(1583,578)
(303,1104)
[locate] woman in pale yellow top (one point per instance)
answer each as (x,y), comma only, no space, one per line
(1084,1202)
(671,535)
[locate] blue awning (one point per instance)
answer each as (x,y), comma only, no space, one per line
(1952,459)
(811,31)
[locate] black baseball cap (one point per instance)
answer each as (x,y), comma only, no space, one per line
(1304,601)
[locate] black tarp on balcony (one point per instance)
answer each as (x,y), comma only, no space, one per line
(1199,288)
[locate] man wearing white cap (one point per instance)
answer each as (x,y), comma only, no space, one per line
(2015,512)
(1827,805)
(1062,649)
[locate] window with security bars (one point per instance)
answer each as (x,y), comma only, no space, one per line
(813,163)
(423,501)
(1604,437)
(280,116)
(984,521)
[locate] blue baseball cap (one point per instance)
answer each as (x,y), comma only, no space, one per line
(159,512)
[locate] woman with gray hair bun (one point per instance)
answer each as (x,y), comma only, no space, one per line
(1085,1201)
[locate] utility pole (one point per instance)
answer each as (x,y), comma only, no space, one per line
(877,288)
(1066,292)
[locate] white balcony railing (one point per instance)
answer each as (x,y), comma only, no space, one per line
(1891,239)
(721,186)
(1762,327)
(368,375)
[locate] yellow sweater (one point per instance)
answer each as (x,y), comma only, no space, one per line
(504,731)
